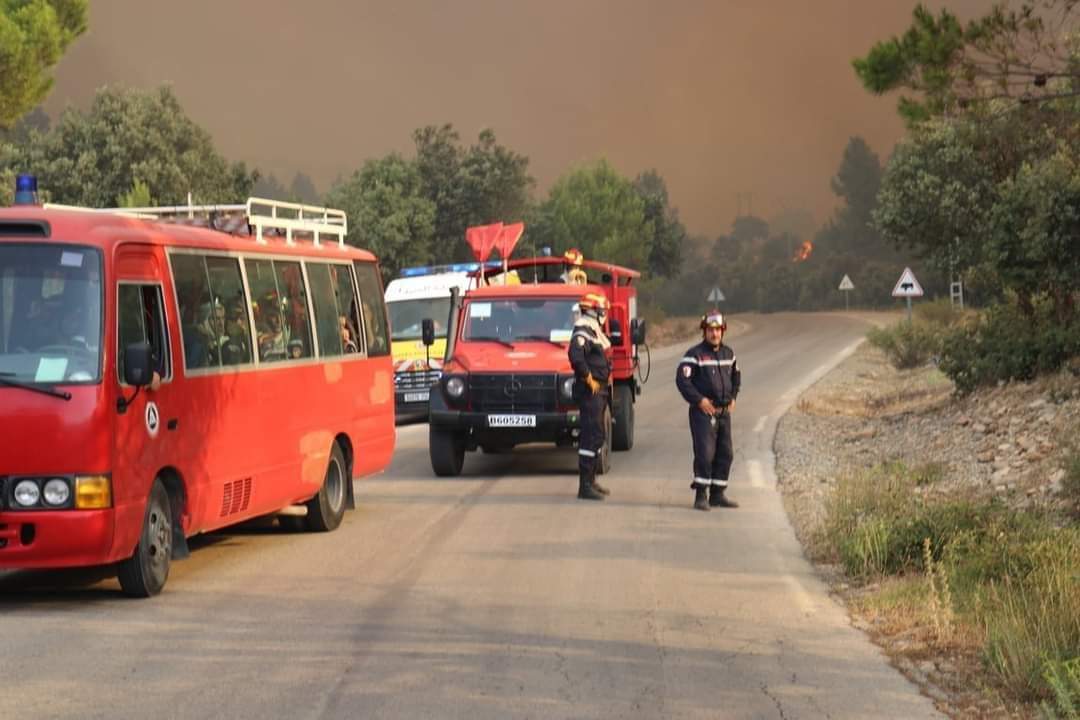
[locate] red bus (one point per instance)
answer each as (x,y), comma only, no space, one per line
(159,379)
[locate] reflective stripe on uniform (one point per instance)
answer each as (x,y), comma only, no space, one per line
(688,359)
(719,483)
(586,453)
(717,363)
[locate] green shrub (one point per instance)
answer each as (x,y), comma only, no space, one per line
(1004,343)
(1070,485)
(940,313)
(1064,681)
(1034,618)
(907,345)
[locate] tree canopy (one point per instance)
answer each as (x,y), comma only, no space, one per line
(1027,54)
(95,158)
(34,34)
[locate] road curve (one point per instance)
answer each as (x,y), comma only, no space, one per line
(494,595)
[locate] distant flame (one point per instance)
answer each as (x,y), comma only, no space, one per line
(803,252)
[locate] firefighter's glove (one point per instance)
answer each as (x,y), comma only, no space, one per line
(594,384)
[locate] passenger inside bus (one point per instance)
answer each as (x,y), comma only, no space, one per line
(347,342)
(272,338)
(296,348)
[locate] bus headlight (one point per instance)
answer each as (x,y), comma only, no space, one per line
(93,492)
(57,492)
(27,493)
(455,387)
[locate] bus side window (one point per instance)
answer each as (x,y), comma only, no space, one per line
(327,325)
(348,308)
(194,306)
(142,319)
(294,309)
(373,308)
(230,331)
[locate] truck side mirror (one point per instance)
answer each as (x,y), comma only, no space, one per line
(637,331)
(138,364)
(616,332)
(428,331)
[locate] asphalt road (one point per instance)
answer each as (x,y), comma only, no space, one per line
(494,595)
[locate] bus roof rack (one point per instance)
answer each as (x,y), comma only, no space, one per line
(259,217)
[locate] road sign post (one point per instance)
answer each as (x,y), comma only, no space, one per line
(847,286)
(907,287)
(716,297)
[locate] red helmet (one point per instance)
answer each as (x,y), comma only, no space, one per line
(714,319)
(573,256)
(594,303)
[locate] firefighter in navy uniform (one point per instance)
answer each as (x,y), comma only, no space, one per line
(588,357)
(709,379)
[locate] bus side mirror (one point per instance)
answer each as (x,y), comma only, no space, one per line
(138,364)
(637,331)
(428,331)
(616,332)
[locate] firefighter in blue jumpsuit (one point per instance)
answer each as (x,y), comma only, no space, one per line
(709,379)
(588,357)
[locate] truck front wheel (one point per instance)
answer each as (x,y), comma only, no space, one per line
(622,437)
(447,449)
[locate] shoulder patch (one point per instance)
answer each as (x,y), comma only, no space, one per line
(581,340)
(686,370)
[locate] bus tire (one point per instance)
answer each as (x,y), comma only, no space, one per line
(447,450)
(144,573)
(603,467)
(622,437)
(327,508)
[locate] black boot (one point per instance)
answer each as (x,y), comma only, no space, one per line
(717,499)
(586,491)
(701,501)
(600,488)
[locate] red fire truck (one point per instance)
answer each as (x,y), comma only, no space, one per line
(507,379)
(159,380)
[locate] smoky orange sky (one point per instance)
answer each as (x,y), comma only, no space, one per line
(734,103)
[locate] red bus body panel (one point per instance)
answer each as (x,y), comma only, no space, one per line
(243,442)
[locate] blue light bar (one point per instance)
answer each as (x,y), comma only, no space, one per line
(438,269)
(26,190)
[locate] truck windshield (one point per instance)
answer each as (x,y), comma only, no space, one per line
(50,313)
(513,320)
(406,317)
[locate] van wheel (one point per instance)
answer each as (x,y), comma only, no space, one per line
(604,466)
(622,437)
(447,450)
(145,572)
(326,509)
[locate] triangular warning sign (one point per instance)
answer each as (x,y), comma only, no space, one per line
(907,285)
(846,283)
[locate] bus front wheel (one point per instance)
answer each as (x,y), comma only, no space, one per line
(327,508)
(145,572)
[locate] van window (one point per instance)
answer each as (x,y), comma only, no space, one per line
(373,308)
(142,319)
(348,308)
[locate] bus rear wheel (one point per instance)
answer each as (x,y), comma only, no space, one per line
(327,508)
(447,450)
(145,572)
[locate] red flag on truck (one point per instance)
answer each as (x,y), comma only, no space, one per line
(508,238)
(482,240)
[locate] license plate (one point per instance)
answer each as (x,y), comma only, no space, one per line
(511,421)
(417,396)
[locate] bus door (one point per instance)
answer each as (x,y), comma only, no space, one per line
(147,421)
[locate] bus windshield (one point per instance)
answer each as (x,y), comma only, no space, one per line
(50,313)
(406,317)
(512,320)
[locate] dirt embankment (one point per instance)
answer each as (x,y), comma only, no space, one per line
(1010,442)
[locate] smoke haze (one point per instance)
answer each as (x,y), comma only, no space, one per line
(736,104)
